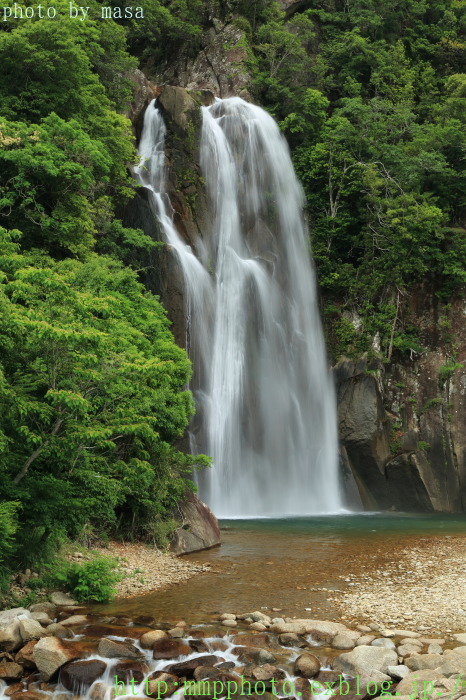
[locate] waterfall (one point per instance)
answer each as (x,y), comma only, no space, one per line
(266,405)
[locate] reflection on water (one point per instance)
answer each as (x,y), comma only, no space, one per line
(277,563)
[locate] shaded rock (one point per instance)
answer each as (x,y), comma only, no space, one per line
(148,639)
(307,666)
(59,598)
(126,670)
(186,668)
(118,650)
(414,681)
(25,655)
(200,526)
(57,630)
(42,617)
(10,670)
(249,655)
(46,607)
(10,634)
(170,649)
(327,677)
(408,649)
(365,640)
(363,660)
(79,675)
(98,691)
(434,649)
(198,645)
(252,640)
(50,653)
(291,640)
(161,685)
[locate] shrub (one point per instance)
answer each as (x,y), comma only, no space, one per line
(92,581)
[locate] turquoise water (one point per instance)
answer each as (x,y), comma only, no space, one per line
(277,563)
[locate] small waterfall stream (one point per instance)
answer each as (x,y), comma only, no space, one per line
(266,405)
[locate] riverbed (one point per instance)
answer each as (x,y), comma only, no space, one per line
(304,567)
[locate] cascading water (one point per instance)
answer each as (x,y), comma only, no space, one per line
(265,399)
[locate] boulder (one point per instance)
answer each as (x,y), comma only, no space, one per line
(75,620)
(129,669)
(461,637)
(111,649)
(10,670)
(252,640)
(291,640)
(363,660)
(408,649)
(413,682)
(307,666)
(434,649)
(60,599)
(148,639)
(46,607)
(386,643)
(170,649)
(25,655)
(365,640)
(249,655)
(229,623)
(161,685)
(31,629)
(419,662)
(345,640)
(321,631)
(42,617)
(50,654)
(79,675)
(398,672)
(200,528)
(10,633)
(186,668)
(57,630)
(267,672)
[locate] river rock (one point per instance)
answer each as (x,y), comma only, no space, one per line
(42,617)
(31,629)
(345,640)
(25,655)
(98,691)
(419,662)
(148,639)
(365,639)
(229,623)
(10,670)
(50,654)
(461,637)
(79,675)
(291,640)
(363,660)
(227,616)
(405,633)
(57,630)
(170,648)
(60,599)
(118,650)
(384,642)
(75,620)
(186,668)
(267,672)
(128,669)
(307,666)
(434,649)
(249,655)
(258,626)
(414,681)
(320,630)
(10,634)
(198,645)
(413,642)
(252,640)
(398,672)
(408,649)
(46,607)
(161,685)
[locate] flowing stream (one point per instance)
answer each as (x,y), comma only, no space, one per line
(265,400)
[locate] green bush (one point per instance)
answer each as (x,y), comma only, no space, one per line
(93,581)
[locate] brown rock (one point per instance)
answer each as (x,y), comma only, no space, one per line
(12,689)
(198,645)
(79,675)
(203,531)
(148,638)
(267,672)
(252,640)
(161,685)
(249,655)
(57,630)
(10,670)
(307,666)
(291,640)
(170,649)
(77,620)
(186,668)
(25,655)
(118,650)
(98,691)
(49,654)
(126,670)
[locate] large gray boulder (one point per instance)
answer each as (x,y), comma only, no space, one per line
(51,653)
(199,530)
(364,660)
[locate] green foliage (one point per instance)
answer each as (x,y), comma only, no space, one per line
(92,581)
(430,403)
(93,396)
(421,445)
(447,370)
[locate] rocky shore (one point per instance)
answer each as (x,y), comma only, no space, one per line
(57,649)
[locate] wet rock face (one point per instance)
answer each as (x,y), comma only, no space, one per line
(201,531)
(79,675)
(402,424)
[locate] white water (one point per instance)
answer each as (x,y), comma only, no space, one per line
(265,400)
